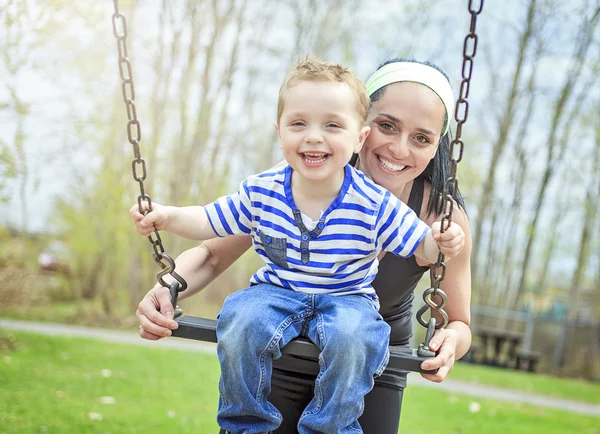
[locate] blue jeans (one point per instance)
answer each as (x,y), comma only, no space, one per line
(257,322)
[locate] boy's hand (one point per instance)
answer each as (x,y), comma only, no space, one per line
(157,218)
(452,241)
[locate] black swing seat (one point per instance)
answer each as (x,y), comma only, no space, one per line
(204,329)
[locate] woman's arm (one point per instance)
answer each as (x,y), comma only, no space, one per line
(454,341)
(198,266)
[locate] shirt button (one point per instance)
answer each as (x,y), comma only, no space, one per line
(268,240)
(304,250)
(321,225)
(304,237)
(313,234)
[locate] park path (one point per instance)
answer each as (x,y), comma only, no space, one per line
(451,386)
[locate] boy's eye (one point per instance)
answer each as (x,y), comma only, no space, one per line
(297,124)
(333,125)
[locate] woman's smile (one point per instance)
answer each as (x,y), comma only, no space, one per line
(389,166)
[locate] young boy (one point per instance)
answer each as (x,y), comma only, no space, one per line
(319,225)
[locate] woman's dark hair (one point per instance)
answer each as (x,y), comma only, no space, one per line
(438,169)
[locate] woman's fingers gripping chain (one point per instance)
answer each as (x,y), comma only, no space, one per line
(155,314)
(444,360)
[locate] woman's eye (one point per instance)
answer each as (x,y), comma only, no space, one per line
(422,139)
(386,126)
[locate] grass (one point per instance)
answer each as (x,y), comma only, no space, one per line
(64,385)
(89,313)
(568,388)
(56,385)
(84,312)
(426,411)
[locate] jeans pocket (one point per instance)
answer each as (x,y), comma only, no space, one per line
(276,249)
(372,302)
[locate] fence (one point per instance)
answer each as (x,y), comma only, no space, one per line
(566,347)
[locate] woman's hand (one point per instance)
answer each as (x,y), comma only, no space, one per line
(446,340)
(155,313)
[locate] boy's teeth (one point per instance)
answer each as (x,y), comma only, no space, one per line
(315,158)
(385,163)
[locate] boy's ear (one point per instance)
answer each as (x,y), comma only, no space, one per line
(277,129)
(362,136)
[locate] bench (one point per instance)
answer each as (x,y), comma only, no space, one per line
(527,360)
(498,347)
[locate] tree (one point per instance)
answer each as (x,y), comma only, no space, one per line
(505,123)
(562,121)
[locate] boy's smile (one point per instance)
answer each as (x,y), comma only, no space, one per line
(314,159)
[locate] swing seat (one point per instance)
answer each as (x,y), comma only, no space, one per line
(204,329)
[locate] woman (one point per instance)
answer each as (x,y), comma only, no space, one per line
(407,153)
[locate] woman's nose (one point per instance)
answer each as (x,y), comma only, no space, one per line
(399,146)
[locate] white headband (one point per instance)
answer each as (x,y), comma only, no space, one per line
(415,72)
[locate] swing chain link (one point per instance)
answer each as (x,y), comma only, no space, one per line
(138,165)
(461,112)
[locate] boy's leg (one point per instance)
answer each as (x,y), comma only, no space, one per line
(253,325)
(354,341)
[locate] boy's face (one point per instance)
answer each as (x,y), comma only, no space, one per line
(320,129)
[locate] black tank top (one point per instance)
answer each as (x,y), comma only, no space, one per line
(396,280)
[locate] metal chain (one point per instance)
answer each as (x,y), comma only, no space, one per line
(438,270)
(134,135)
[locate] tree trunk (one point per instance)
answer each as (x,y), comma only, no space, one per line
(499,145)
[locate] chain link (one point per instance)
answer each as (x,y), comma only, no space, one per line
(434,298)
(134,135)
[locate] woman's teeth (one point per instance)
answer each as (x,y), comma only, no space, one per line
(390,166)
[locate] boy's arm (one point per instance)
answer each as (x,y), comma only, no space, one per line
(400,227)
(228,215)
(188,222)
(427,249)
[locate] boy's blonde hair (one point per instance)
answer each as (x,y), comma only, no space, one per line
(313,69)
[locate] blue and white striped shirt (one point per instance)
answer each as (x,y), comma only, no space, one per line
(338,256)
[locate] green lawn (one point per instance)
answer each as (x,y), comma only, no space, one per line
(57,385)
(426,411)
(60,385)
(576,390)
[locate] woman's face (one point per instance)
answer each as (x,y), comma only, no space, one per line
(405,133)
